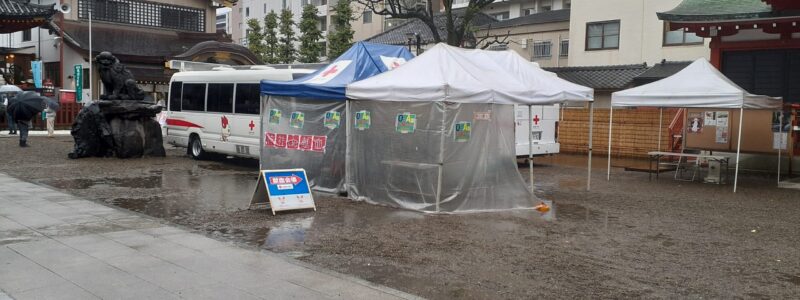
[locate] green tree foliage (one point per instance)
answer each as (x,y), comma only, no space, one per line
(255,39)
(340,33)
(310,35)
(286,51)
(271,38)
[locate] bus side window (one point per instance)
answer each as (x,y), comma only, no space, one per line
(248,96)
(194,97)
(175,96)
(220,97)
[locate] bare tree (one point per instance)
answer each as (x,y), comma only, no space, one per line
(457,25)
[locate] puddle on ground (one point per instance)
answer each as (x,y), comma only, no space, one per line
(179,193)
(793,279)
(144,182)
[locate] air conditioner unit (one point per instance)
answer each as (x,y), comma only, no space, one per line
(528,11)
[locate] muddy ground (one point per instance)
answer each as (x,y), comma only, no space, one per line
(629,238)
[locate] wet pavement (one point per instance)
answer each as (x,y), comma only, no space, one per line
(57,246)
(628,237)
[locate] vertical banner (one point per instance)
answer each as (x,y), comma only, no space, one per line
(78,71)
(36,69)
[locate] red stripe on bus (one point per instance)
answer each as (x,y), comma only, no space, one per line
(182,123)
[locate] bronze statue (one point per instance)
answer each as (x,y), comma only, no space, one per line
(118,82)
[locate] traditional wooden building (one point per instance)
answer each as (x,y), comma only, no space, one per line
(755,43)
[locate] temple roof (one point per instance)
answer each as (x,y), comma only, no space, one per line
(717,10)
(17,15)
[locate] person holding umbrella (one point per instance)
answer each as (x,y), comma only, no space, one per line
(23,108)
(8,91)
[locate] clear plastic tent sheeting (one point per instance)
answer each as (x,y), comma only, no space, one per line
(306,133)
(470,163)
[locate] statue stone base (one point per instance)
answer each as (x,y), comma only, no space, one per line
(124,129)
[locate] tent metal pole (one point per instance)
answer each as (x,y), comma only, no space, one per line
(780,142)
(347,147)
(589,165)
(610,121)
(441,156)
(738,150)
(530,146)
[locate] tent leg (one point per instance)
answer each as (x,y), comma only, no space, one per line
(738,150)
(530,146)
(347,147)
(589,164)
(441,156)
(610,121)
(780,142)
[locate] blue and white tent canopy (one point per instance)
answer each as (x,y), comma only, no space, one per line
(361,61)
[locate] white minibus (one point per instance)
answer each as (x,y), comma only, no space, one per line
(218,111)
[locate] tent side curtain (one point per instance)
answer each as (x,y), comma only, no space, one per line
(361,61)
(446,73)
(699,85)
(398,164)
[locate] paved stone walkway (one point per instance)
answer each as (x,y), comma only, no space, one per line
(57,246)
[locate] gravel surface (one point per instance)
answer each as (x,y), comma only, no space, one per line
(627,238)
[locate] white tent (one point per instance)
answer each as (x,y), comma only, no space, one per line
(445,73)
(699,85)
(433,135)
(547,88)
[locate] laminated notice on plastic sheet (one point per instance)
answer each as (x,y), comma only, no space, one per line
(314,143)
(405,123)
(332,119)
(463,131)
(297,120)
(274,116)
(485,116)
(362,120)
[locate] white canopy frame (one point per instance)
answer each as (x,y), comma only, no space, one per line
(699,85)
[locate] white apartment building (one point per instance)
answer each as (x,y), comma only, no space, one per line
(258,9)
(224,20)
(621,32)
(511,9)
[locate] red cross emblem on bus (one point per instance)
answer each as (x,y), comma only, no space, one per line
(535,119)
(330,71)
(252,125)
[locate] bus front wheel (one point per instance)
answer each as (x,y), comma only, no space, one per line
(196,149)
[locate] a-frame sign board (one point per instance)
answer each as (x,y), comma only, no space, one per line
(281,190)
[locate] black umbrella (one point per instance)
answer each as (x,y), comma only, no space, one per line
(26,105)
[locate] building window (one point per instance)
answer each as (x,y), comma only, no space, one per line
(143,13)
(498,47)
(389,23)
(26,35)
(51,71)
(680,37)
(545,5)
(265,8)
(602,35)
(528,11)
(246,11)
(501,16)
(563,49)
(86,79)
(367,17)
(567,4)
(322,22)
(541,49)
